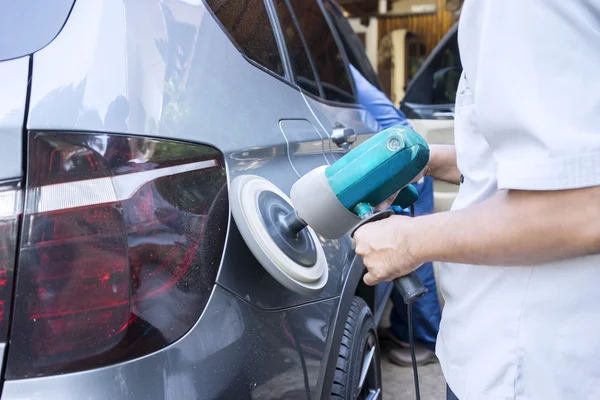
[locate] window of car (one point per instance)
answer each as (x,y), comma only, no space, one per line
(437,81)
(302,67)
(355,50)
(446,73)
(326,55)
(245,21)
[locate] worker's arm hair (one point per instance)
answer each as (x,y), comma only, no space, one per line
(442,163)
(513,228)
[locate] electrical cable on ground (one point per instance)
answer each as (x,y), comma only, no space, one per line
(411,339)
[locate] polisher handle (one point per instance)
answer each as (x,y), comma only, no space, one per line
(407,196)
(410,287)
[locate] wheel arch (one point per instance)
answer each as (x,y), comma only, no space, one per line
(353,286)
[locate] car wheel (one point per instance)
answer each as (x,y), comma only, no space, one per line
(358,371)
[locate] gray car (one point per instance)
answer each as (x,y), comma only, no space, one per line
(122,273)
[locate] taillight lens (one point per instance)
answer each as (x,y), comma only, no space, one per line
(121,242)
(10,211)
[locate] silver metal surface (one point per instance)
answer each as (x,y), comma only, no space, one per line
(443,114)
(89,192)
(368,359)
(2,353)
(304,145)
(11,203)
(374,394)
(27,26)
(14,75)
(331,116)
(341,136)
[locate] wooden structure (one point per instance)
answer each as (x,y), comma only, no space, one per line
(429,27)
(399,41)
(400,55)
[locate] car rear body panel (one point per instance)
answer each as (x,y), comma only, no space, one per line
(235,351)
(334,115)
(177,76)
(33,23)
(166,69)
(14,76)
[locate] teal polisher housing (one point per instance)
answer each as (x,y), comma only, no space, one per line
(379,167)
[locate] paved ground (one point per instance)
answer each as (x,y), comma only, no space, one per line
(398,381)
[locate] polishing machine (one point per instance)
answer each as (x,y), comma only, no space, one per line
(328,202)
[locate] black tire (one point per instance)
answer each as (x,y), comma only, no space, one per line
(360,337)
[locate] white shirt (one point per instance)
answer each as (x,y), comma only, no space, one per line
(527,117)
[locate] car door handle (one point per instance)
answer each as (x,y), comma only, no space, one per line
(343,136)
(443,114)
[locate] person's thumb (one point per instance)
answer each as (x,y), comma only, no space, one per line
(369,279)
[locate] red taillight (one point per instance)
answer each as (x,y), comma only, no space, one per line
(121,241)
(10,210)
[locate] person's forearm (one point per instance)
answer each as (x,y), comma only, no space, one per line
(513,228)
(442,164)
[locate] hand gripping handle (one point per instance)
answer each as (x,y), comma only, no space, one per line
(409,286)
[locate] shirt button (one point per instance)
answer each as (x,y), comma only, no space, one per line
(462,179)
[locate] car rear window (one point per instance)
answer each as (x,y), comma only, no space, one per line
(301,65)
(28,25)
(248,24)
(325,53)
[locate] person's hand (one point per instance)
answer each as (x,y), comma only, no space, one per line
(384,247)
(387,202)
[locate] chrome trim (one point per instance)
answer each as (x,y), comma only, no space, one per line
(90,192)
(374,394)
(11,202)
(75,194)
(365,367)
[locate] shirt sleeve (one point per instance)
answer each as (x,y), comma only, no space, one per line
(377,103)
(537,91)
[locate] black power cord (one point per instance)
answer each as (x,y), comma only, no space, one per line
(411,339)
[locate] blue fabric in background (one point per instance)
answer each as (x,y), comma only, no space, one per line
(377,103)
(426,310)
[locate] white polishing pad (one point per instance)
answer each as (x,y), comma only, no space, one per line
(244,194)
(319,207)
